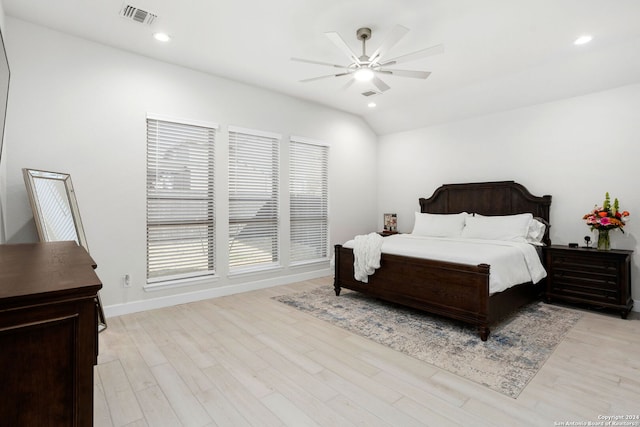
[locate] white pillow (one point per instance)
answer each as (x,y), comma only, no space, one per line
(535,232)
(439,225)
(504,227)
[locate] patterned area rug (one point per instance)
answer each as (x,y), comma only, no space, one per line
(516,349)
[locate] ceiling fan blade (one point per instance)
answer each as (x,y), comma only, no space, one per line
(324,77)
(382,86)
(406,73)
(397,33)
(348,84)
(433,50)
(309,61)
(342,45)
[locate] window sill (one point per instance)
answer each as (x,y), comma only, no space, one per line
(310,262)
(255,270)
(180,283)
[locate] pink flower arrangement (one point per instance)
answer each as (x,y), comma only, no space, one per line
(607,216)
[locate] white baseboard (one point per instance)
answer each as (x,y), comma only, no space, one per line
(168,301)
(150,304)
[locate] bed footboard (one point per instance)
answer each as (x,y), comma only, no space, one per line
(452,290)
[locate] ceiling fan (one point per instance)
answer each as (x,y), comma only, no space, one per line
(369,67)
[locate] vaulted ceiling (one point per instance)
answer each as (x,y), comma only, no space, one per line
(498,54)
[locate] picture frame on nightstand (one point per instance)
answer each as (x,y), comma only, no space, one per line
(390,223)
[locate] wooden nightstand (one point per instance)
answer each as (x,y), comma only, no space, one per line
(598,278)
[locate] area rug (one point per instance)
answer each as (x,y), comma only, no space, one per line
(516,349)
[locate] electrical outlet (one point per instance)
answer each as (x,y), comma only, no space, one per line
(126,281)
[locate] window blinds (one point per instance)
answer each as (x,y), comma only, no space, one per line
(180,200)
(308,192)
(253,199)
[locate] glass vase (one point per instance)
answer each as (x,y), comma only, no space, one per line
(604,244)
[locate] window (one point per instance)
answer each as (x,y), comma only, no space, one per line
(253,199)
(180,199)
(308,192)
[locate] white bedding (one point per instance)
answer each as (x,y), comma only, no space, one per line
(511,263)
(366,255)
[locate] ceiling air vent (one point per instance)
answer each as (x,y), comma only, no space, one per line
(370,93)
(138,15)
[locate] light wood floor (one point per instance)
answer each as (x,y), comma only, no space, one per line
(246,360)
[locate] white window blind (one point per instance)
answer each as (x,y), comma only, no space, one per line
(180,200)
(253,199)
(309,198)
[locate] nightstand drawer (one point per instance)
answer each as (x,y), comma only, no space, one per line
(589,264)
(597,273)
(582,287)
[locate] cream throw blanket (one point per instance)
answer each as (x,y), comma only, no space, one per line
(367,250)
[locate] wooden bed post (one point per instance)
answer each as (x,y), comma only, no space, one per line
(483,331)
(336,279)
(483,307)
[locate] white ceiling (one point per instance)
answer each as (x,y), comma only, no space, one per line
(499,54)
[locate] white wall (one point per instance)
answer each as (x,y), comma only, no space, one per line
(79,107)
(574,149)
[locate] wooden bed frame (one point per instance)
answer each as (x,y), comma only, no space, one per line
(457,291)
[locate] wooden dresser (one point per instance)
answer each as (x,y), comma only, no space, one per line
(589,276)
(48,334)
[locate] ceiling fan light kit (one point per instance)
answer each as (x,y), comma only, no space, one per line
(363,74)
(367,68)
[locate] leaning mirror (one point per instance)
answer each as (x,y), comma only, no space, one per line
(55,210)
(56,214)
(5,74)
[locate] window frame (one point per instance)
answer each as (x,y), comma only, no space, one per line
(257,192)
(161,203)
(320,174)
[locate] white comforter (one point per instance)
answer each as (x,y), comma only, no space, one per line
(511,263)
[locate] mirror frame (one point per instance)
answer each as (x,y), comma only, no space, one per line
(29,177)
(5,79)
(65,178)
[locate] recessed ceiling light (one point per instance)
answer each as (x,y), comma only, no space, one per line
(161,37)
(371,105)
(583,39)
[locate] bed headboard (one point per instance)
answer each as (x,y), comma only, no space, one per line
(487,198)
